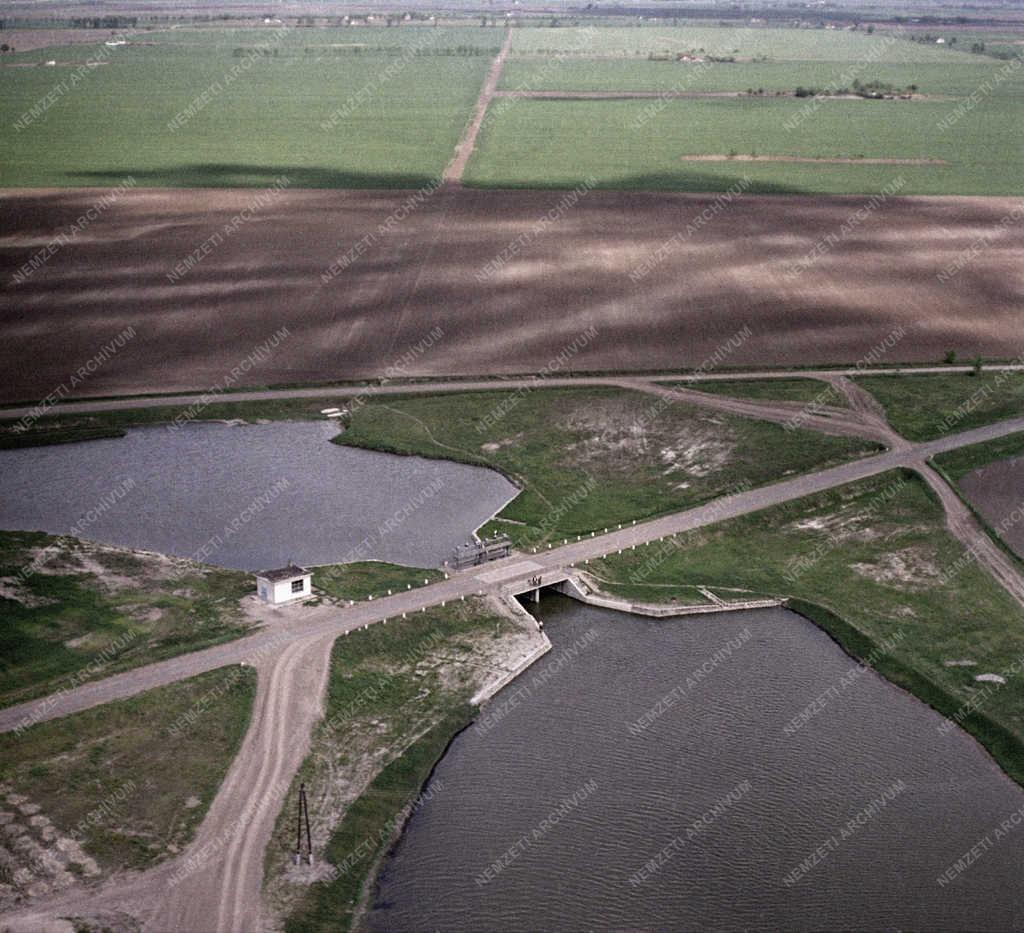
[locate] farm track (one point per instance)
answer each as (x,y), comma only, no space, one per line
(825,419)
(432,387)
(289,702)
(467,143)
(758,263)
(968,530)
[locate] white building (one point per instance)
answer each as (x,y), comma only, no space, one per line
(284,584)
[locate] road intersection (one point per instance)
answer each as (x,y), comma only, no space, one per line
(197,891)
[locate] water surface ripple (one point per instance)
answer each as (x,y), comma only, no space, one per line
(478,855)
(250,496)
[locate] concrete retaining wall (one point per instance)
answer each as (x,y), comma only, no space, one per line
(488,690)
(576,588)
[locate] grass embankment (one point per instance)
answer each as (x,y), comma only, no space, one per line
(57,428)
(686,594)
(922,408)
(588,458)
(130,781)
(358,580)
(871,562)
(75,611)
(683,594)
(369,828)
(43,437)
(783,390)
(956,464)
(396,695)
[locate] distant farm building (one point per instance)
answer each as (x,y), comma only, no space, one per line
(284,584)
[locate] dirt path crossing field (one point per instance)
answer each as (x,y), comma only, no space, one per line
(464,149)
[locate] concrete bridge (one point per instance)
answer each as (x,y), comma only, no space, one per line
(538,577)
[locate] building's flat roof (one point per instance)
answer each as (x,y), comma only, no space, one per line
(282,573)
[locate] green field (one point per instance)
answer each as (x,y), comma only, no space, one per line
(742,42)
(575,74)
(874,554)
(384,107)
(588,458)
(786,390)
(358,580)
(87,611)
(640,144)
(126,780)
(925,407)
(262,115)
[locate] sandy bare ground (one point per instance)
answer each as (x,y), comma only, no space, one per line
(811,291)
(464,148)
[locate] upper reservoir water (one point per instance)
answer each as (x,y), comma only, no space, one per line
(249,496)
(716,772)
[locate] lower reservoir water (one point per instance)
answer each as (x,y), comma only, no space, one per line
(716,772)
(249,496)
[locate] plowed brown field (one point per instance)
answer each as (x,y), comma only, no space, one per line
(440,267)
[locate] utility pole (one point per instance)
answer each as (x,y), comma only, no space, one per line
(303,821)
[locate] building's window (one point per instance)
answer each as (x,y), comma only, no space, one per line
(298,586)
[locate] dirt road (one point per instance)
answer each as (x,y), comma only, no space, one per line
(824,418)
(967,529)
(222,890)
(467,143)
(496,384)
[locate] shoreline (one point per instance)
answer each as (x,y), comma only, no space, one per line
(400,783)
(998,743)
